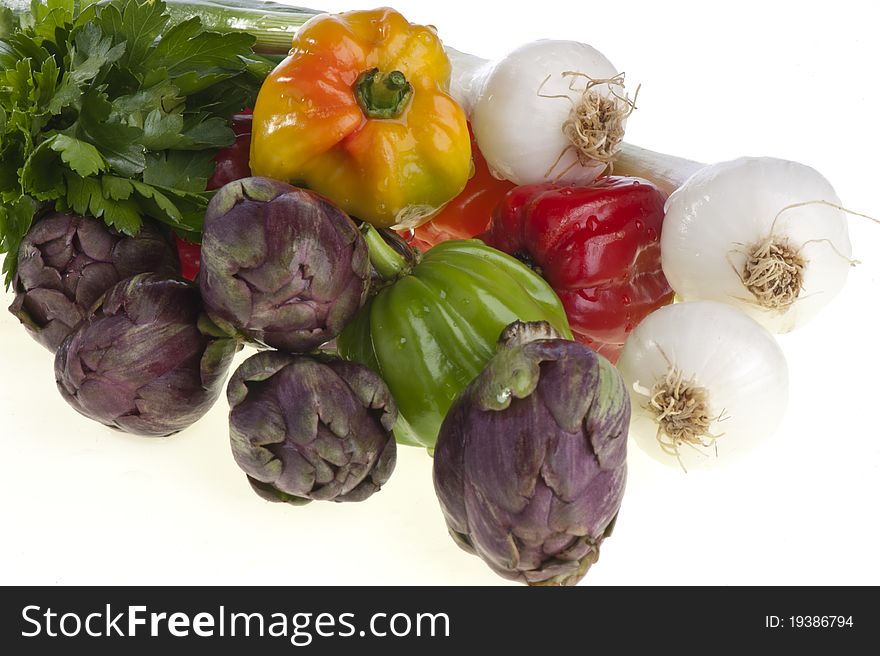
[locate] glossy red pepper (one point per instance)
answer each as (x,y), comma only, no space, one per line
(468,213)
(230,164)
(597,246)
(189,255)
(233,163)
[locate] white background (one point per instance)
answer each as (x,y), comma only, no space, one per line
(80,503)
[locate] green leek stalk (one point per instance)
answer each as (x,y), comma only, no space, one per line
(272,24)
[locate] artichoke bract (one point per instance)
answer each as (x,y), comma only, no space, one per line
(530,463)
(148,360)
(281,265)
(66,262)
(315,427)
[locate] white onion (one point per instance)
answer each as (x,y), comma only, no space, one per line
(722,213)
(519,124)
(722,359)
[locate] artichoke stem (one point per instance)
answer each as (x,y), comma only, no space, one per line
(519,333)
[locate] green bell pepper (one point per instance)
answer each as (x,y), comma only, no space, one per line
(434,325)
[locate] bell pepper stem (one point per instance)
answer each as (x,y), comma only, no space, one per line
(389,264)
(382,95)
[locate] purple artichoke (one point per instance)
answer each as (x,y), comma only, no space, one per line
(65,264)
(530,462)
(281,265)
(311,427)
(148,360)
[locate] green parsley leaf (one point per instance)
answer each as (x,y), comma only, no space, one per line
(161,95)
(84,194)
(91,52)
(137,25)
(81,157)
(50,16)
(119,143)
(7,22)
(158,202)
(185,48)
(66,94)
(124,215)
(116,188)
(15,221)
(162,130)
(204,131)
(116,109)
(178,169)
(41,177)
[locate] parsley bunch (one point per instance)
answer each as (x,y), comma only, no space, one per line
(111,109)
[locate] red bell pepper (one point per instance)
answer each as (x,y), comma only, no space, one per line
(597,246)
(231,163)
(468,213)
(190,256)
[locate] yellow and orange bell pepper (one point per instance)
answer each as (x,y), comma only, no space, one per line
(360,112)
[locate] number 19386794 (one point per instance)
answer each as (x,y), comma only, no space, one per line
(808,621)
